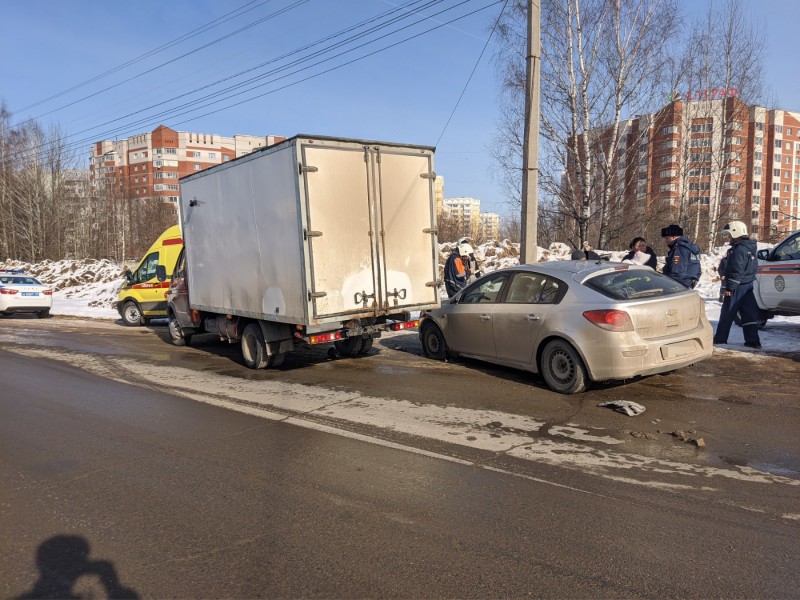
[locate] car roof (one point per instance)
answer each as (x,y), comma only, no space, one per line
(577,269)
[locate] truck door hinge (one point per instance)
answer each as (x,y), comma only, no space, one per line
(312,295)
(431,175)
(430,230)
(309,234)
(304,169)
(434,283)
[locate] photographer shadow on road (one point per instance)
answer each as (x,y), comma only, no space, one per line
(65,571)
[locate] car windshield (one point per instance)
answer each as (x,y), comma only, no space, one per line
(633,284)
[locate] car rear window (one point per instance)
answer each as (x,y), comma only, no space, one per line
(18,280)
(634,283)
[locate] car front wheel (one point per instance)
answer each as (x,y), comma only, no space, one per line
(433,342)
(563,369)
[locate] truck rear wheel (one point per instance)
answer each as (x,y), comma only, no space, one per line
(353,346)
(254,349)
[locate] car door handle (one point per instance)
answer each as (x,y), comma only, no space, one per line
(534,318)
(485,317)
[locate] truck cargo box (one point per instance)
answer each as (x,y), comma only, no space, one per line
(313,231)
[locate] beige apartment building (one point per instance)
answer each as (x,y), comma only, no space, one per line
(149,165)
(705,159)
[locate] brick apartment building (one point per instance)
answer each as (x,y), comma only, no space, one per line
(703,160)
(148,165)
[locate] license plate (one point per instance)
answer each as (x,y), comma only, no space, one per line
(30,293)
(678,349)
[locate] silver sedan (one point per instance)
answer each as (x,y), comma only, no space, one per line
(573,322)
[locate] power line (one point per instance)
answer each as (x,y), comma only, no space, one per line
(293,69)
(477,62)
(202,29)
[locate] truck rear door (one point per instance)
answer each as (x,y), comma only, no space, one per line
(339,229)
(369,227)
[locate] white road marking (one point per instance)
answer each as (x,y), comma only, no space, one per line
(492,431)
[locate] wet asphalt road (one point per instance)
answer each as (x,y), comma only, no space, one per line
(186,499)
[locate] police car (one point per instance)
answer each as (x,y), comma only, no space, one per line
(22,293)
(777,285)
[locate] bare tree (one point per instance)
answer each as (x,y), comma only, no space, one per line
(724,58)
(602,61)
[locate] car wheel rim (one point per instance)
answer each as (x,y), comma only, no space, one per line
(562,367)
(433,343)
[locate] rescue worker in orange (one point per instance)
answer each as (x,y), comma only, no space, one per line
(457,269)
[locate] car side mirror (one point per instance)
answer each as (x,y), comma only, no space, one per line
(129,277)
(763,254)
(161,273)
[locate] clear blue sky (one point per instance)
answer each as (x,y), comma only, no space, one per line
(405,93)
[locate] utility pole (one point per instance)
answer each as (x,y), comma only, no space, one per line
(530,149)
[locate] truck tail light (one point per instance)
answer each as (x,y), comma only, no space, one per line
(404,325)
(610,319)
(324,337)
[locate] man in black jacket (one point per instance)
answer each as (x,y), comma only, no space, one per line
(741,263)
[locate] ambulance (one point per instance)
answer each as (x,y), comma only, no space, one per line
(142,296)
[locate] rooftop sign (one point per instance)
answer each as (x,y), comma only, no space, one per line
(709,94)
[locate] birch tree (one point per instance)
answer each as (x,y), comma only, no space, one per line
(603,61)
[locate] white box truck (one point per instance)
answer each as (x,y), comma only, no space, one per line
(312,240)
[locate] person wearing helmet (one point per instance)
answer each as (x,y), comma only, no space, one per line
(740,272)
(683,259)
(457,268)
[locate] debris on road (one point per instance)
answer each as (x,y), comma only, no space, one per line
(626,407)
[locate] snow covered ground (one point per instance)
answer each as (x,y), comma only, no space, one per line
(87,288)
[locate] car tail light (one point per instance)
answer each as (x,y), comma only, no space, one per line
(8,292)
(610,320)
(48,292)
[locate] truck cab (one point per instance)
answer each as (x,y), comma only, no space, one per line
(777,285)
(143,295)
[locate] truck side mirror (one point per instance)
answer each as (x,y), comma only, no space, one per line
(129,277)
(161,273)
(763,254)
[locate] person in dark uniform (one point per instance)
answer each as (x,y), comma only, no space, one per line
(683,259)
(741,263)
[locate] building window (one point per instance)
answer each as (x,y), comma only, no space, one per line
(778,158)
(756,185)
(212,155)
(774,215)
(756,200)
(788,160)
(757,155)
(196,167)
(778,143)
(776,187)
(669,130)
(776,201)
(788,131)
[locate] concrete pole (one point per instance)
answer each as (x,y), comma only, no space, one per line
(530,149)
